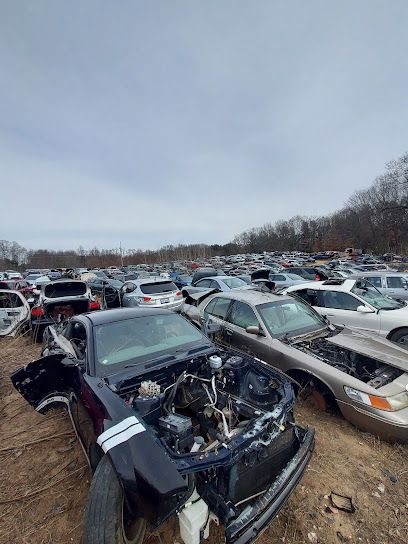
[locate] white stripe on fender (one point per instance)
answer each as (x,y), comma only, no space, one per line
(50,400)
(122,437)
(116,429)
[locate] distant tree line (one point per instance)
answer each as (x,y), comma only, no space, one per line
(373,219)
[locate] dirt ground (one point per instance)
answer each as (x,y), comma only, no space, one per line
(45,479)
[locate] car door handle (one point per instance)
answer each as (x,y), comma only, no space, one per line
(329,315)
(228,332)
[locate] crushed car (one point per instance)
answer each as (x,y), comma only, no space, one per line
(171,425)
(58,301)
(14,313)
(365,375)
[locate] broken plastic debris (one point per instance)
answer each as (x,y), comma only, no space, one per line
(389,475)
(341,502)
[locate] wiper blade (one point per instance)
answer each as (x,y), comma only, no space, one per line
(161,359)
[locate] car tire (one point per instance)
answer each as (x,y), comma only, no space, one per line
(104,513)
(400,336)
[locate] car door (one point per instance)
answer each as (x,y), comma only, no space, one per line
(216,311)
(342,309)
(240,316)
(396,287)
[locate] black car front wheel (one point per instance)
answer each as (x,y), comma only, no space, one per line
(106,518)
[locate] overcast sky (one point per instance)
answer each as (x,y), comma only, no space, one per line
(151,122)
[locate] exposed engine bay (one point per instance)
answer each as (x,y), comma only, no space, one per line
(371,371)
(227,422)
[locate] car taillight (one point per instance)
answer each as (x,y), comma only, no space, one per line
(178,294)
(146,299)
(93,305)
(37,312)
(317,277)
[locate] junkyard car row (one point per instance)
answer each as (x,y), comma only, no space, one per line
(189,412)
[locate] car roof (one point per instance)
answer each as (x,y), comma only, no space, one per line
(378,273)
(252,296)
(334,284)
(102,317)
(151,279)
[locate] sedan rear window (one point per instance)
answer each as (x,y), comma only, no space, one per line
(65,289)
(158,287)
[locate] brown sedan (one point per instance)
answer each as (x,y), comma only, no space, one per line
(365,374)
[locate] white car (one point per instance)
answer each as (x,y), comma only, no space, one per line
(356,303)
(14,312)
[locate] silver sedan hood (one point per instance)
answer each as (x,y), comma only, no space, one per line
(373,346)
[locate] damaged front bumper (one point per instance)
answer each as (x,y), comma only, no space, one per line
(255,519)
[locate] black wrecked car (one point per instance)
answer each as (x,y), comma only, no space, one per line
(170,423)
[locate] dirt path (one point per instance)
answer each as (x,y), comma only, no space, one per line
(45,480)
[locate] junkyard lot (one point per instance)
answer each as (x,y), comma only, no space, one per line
(45,478)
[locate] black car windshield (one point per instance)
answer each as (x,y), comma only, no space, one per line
(290,317)
(366,290)
(136,340)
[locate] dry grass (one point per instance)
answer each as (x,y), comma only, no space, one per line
(45,479)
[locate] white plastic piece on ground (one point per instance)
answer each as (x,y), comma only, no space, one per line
(192,519)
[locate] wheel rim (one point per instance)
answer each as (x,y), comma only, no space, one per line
(403,340)
(133,530)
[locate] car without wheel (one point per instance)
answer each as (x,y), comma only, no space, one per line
(58,301)
(170,424)
(357,303)
(364,374)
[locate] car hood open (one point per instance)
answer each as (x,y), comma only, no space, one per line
(373,346)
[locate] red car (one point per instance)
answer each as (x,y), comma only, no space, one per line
(18,285)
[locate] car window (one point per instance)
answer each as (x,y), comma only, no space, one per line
(214,285)
(339,300)
(242,315)
(217,307)
(290,317)
(277,277)
(158,287)
(204,283)
(10,300)
(309,295)
(234,283)
(395,282)
(375,280)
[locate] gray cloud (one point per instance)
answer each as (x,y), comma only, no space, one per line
(166,122)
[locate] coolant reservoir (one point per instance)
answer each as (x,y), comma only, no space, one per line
(215,362)
(192,519)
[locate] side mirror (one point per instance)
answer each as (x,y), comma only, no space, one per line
(253,329)
(364,310)
(210,328)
